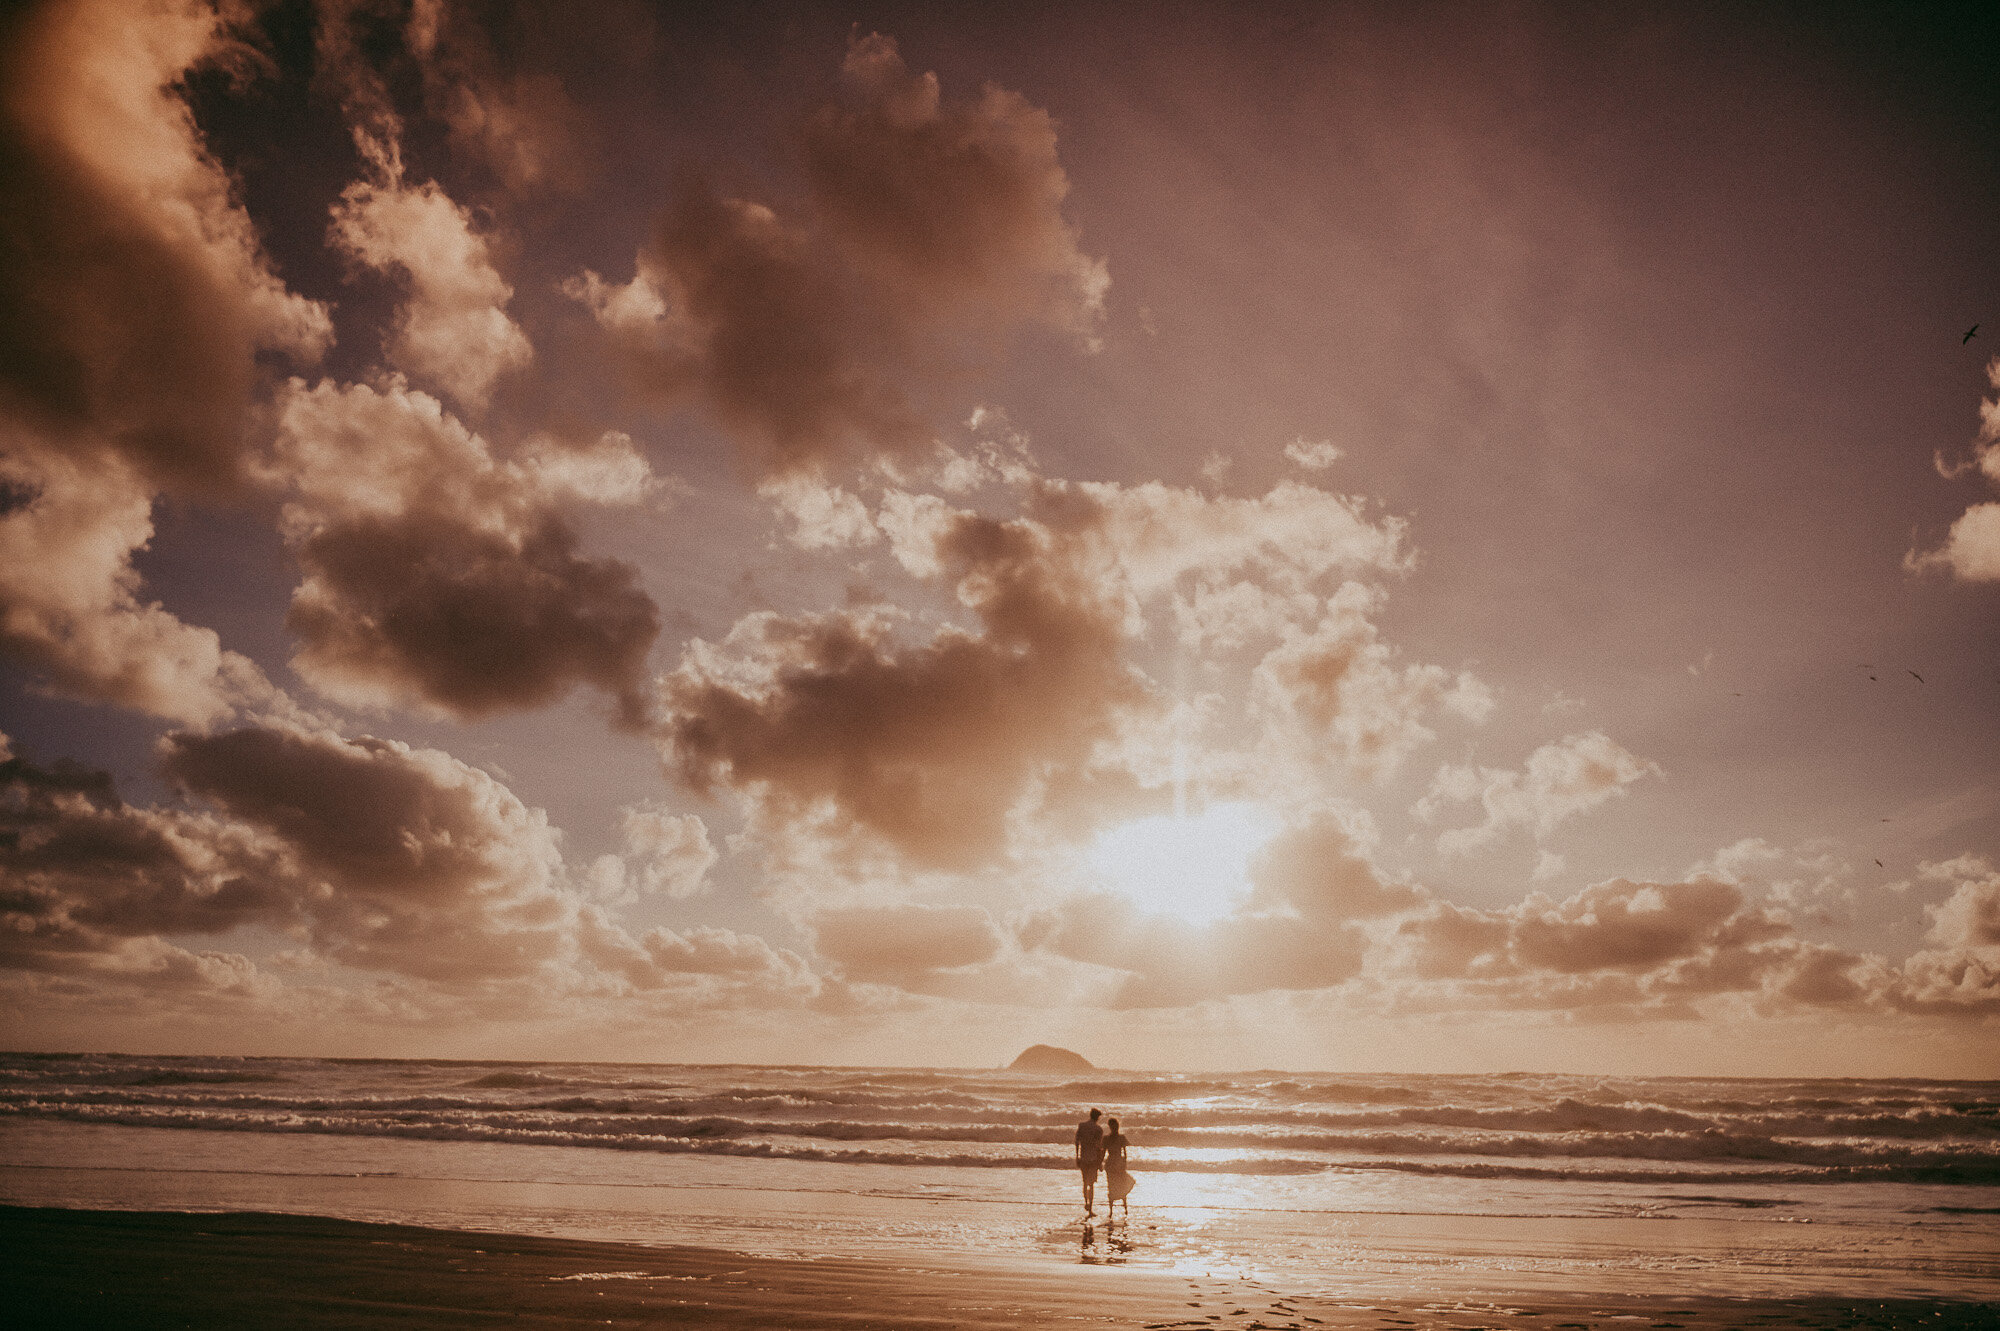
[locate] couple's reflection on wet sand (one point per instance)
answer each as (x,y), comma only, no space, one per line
(1111,1249)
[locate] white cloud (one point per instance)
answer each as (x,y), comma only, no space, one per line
(1313,454)
(1560,780)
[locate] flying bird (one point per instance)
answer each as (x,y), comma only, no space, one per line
(1880,865)
(1968,335)
(1917,677)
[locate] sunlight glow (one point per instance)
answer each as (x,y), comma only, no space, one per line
(1193,868)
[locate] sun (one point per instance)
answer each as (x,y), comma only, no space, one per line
(1192,867)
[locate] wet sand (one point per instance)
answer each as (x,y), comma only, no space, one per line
(149,1268)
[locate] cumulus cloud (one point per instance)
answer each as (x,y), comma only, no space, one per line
(1560,780)
(1809,878)
(932,738)
(133,303)
(1339,682)
(135,294)
(1620,942)
(439,577)
(71,604)
(86,875)
(1971,550)
(1959,971)
(927,225)
(956,204)
(452,331)
(927,746)
(369,853)
(673,850)
(406,859)
(822,516)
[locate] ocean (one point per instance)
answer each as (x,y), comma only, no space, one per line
(1864,1186)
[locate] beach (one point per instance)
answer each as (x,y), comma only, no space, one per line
(105,1268)
(321,1192)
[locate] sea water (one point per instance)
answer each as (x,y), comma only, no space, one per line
(1357,1182)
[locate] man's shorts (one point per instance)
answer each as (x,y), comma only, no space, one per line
(1090,1164)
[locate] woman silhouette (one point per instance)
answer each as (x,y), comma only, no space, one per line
(1116,1176)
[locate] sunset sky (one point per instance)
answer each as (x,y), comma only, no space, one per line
(1375,537)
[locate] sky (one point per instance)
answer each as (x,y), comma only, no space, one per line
(1419,538)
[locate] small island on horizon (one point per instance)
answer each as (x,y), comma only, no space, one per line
(1048,1058)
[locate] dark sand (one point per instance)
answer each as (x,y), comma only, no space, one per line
(172,1269)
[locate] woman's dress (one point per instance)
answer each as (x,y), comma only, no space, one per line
(1115,1174)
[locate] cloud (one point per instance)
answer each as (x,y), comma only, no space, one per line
(439,577)
(928,226)
(1338,682)
(1319,869)
(452,331)
(70,606)
(1620,942)
(1810,877)
(85,874)
(1158,961)
(402,863)
(823,517)
(673,850)
(928,746)
(1959,973)
(1971,550)
(931,739)
(135,294)
(522,124)
(1300,928)
(956,204)
(405,859)
(1560,780)
(1313,454)
(903,944)
(134,300)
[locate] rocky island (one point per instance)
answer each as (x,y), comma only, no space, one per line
(1048,1058)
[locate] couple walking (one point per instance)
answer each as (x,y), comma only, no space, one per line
(1097,1149)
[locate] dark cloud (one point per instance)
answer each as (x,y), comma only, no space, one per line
(465,620)
(955,203)
(82,873)
(439,577)
(1617,925)
(928,226)
(133,291)
(134,300)
(407,859)
(930,746)
(399,861)
(779,346)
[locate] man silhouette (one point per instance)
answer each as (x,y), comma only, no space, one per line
(1089,1156)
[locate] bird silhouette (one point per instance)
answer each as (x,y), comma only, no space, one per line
(1968,335)
(1880,865)
(1917,677)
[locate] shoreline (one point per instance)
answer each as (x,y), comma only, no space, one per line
(255,1269)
